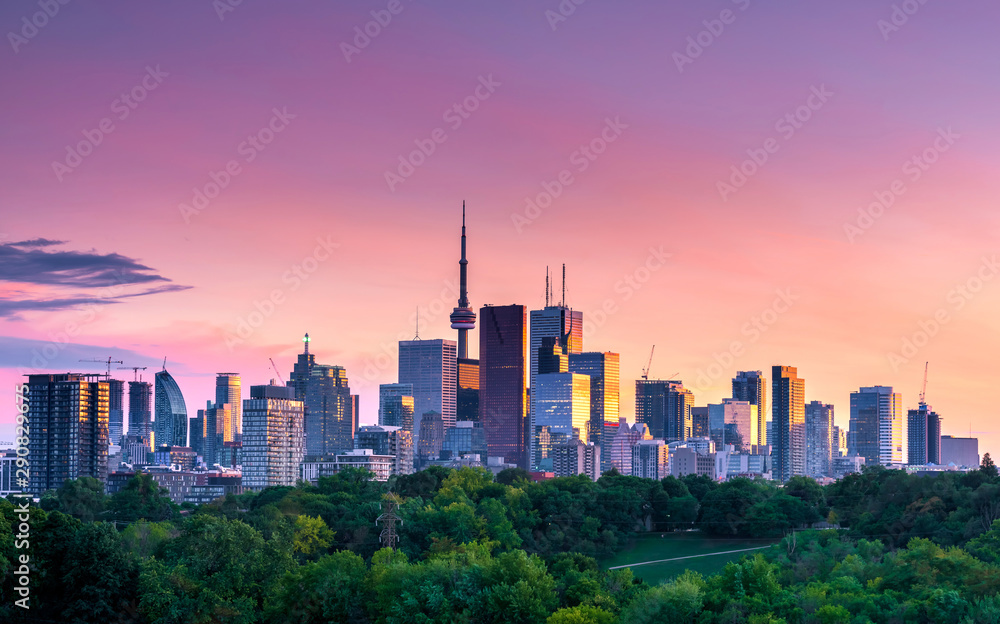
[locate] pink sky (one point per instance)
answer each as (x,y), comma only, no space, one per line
(655,187)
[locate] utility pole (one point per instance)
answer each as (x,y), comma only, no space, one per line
(388,520)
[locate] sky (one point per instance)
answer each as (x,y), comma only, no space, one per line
(742,184)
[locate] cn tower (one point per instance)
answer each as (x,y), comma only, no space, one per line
(463,318)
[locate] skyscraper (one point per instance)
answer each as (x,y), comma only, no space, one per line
(430,366)
(743,415)
(563,413)
(395,406)
(700,422)
(604,372)
(467,395)
(924,436)
(621,446)
(665,407)
(556,322)
(227,390)
(67,417)
(431,437)
(877,425)
(171,413)
(273,437)
(140,415)
(299,379)
(503,359)
(820,441)
(789,423)
(116,411)
(751,386)
(328,409)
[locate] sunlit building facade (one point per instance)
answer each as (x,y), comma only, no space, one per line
(67,418)
(228,392)
(562,403)
(273,437)
(751,386)
(877,425)
(395,406)
(789,423)
(603,369)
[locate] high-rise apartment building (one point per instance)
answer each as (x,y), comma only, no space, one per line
(700,422)
(430,366)
(140,413)
(329,415)
(788,448)
(431,439)
(116,411)
(650,459)
(171,419)
(395,406)
(273,437)
(576,458)
(877,425)
(751,386)
(228,391)
(820,440)
(924,436)
(503,367)
(386,440)
(665,407)
(67,417)
(745,420)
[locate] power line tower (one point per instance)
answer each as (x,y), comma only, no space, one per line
(388,520)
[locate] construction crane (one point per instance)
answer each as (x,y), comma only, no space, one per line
(923,391)
(108,361)
(276,371)
(134,369)
(649,364)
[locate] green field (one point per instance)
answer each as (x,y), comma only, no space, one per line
(672,545)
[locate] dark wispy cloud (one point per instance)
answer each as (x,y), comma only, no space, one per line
(28,262)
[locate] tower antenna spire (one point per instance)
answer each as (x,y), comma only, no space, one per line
(417,335)
(564,286)
(306,341)
(463,317)
(546,287)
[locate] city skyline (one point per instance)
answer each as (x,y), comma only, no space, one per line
(770,266)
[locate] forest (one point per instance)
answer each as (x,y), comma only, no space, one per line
(879,546)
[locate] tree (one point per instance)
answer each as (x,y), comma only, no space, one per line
(141,498)
(311,535)
(82,498)
(332,589)
(677,602)
(510,476)
(581,614)
(97,580)
(988,467)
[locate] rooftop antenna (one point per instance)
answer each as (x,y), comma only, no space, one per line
(164,362)
(417,336)
(564,286)
(546,287)
(305,340)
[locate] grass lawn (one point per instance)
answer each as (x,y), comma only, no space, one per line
(652,547)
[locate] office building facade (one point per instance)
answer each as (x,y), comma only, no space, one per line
(562,413)
(820,439)
(386,440)
(604,371)
(923,436)
(650,459)
(877,425)
(503,368)
(395,406)
(751,386)
(228,392)
(430,366)
(329,415)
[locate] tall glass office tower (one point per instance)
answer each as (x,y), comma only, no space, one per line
(430,366)
(227,390)
(171,413)
(503,359)
(877,425)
